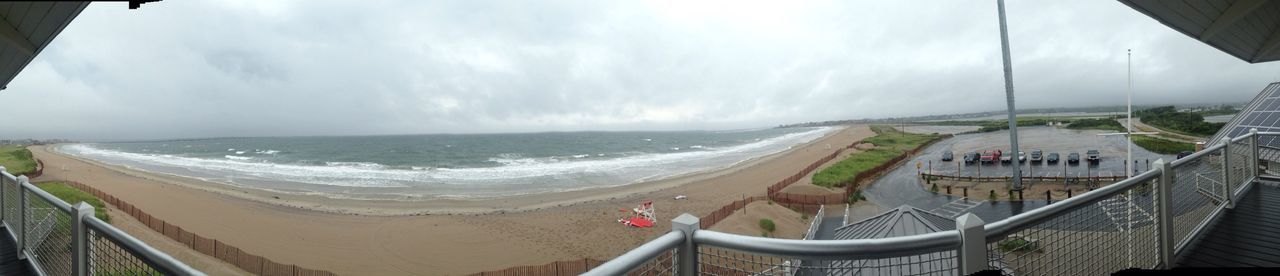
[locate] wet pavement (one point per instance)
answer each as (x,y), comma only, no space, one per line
(902,186)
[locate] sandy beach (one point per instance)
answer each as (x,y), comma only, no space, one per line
(440,237)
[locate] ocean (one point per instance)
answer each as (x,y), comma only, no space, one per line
(417,167)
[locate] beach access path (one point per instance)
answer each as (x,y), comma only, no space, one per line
(293,229)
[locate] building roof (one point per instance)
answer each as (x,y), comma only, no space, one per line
(27,28)
(1263,113)
(903,221)
(1246,29)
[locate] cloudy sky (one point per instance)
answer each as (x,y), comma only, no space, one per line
(264,68)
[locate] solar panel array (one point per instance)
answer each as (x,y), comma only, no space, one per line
(1263,113)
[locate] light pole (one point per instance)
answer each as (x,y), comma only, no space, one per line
(1008,92)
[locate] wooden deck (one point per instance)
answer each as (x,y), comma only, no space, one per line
(9,263)
(1243,237)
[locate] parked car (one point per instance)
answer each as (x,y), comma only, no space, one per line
(1052,159)
(970,157)
(987,157)
(1022,156)
(1006,158)
(946,156)
(1073,158)
(1037,156)
(1184,154)
(1094,156)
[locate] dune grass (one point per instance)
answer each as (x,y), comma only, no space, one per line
(889,143)
(71,195)
(17,160)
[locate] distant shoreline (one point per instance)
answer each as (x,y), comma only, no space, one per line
(436,205)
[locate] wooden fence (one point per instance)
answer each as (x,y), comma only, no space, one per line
(716,216)
(212,247)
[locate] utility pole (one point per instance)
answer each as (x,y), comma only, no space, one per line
(1008,91)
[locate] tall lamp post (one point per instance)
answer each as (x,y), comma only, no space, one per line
(1008,92)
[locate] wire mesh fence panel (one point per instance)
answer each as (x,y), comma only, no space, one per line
(1109,235)
(663,264)
(1197,191)
(1241,152)
(721,261)
(108,258)
(48,235)
(10,198)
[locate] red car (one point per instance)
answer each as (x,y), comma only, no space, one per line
(989,156)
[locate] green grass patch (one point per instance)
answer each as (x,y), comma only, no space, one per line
(767,225)
(17,160)
(1162,146)
(71,195)
(889,143)
(1096,123)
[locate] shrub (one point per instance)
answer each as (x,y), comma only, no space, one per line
(767,225)
(935,188)
(1018,244)
(804,216)
(992,195)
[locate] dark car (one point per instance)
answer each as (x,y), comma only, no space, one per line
(1094,156)
(970,157)
(1037,156)
(946,156)
(1184,154)
(1052,159)
(1073,158)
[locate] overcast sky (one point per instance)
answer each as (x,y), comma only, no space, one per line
(265,68)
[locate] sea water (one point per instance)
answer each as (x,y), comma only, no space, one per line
(444,165)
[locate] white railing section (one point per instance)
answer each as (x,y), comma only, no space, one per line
(1145,221)
(815,223)
(61,239)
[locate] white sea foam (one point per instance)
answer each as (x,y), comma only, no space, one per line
(514,169)
(272,152)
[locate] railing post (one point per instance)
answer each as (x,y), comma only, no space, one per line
(973,244)
(1164,212)
(80,238)
(1253,154)
(2,206)
(1226,173)
(687,252)
(21,241)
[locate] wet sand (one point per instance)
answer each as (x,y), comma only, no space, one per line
(355,237)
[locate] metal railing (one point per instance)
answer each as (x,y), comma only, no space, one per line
(58,238)
(1145,221)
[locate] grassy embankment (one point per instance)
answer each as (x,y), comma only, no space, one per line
(17,160)
(1162,146)
(71,195)
(889,143)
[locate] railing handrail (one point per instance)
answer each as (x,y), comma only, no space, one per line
(999,229)
(637,256)
(157,259)
(831,249)
(924,243)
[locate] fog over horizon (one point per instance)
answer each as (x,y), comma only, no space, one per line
(188,69)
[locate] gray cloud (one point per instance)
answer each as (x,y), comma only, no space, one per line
(248,68)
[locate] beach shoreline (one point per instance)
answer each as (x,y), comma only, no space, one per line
(397,240)
(435,206)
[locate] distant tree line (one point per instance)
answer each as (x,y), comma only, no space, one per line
(1169,118)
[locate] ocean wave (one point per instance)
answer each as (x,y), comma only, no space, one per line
(513,169)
